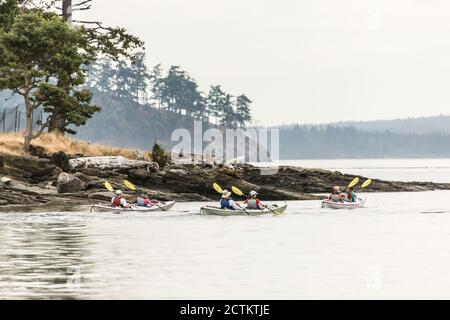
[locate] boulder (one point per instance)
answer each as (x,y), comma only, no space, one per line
(82,177)
(61,160)
(68,183)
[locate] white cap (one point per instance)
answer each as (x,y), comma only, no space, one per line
(253,193)
(118,192)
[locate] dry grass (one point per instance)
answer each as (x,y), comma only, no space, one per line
(12,143)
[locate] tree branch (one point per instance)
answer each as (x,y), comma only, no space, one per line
(82,3)
(44,126)
(82,9)
(97,23)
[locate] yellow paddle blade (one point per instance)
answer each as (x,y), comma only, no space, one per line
(367,183)
(108,186)
(129,185)
(353,183)
(237,191)
(217,188)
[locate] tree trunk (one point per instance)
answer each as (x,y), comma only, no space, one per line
(67,11)
(57,122)
(28,125)
(28,111)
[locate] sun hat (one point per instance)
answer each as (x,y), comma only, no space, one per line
(226,194)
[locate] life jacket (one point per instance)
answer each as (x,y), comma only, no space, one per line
(141,202)
(116,202)
(335,198)
(225,204)
(253,203)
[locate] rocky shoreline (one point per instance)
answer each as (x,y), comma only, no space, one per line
(63,183)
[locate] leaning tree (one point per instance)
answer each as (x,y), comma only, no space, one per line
(37,50)
(112,42)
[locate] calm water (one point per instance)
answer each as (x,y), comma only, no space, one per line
(436,170)
(397,247)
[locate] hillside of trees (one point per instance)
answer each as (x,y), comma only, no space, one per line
(140,107)
(421,125)
(126,123)
(174,91)
(322,142)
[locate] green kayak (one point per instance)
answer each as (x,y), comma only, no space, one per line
(214,211)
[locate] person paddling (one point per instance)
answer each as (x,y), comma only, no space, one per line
(119,201)
(227,203)
(253,202)
(351,195)
(336,195)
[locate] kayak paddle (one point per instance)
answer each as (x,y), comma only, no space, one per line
(217,188)
(353,183)
(366,184)
(129,185)
(108,186)
(132,187)
(238,192)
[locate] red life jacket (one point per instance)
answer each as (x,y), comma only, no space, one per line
(116,202)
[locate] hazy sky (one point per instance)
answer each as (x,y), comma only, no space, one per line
(303,61)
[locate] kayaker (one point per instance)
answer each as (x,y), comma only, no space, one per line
(143,201)
(351,196)
(336,195)
(119,201)
(227,203)
(253,202)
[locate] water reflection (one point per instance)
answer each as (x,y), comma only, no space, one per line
(42,258)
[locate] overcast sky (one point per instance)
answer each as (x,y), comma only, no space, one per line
(303,61)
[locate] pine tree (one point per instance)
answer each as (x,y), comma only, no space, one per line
(243,112)
(215,103)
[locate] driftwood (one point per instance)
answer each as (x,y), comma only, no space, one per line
(108,163)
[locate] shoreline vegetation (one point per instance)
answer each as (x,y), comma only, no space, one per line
(63,174)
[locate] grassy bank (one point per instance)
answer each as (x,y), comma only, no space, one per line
(12,144)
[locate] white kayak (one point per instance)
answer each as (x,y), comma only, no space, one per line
(215,211)
(359,203)
(163,206)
